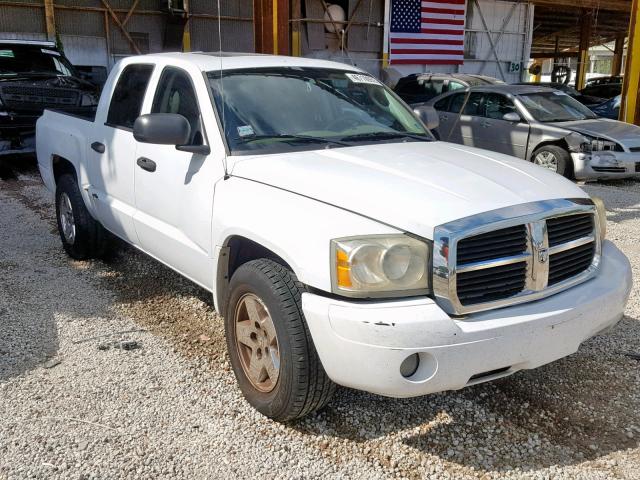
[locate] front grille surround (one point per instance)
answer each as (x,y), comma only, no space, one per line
(536,254)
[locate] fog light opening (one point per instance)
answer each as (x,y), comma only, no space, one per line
(410,365)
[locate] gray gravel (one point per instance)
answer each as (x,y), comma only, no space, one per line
(74,405)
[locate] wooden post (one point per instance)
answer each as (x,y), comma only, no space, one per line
(629,104)
(583,50)
(107,38)
(271,26)
(618,54)
(50,21)
(296,14)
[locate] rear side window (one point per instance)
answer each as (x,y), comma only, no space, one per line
(128,95)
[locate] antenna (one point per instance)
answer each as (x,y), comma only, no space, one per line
(224,123)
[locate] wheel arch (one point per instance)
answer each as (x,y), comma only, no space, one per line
(236,251)
(561,142)
(61,166)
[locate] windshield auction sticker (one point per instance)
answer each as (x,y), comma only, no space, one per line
(359,78)
(245,131)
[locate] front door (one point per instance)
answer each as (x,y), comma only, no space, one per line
(110,152)
(462,120)
(501,135)
(174,189)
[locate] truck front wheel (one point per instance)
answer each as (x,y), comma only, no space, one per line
(82,236)
(271,350)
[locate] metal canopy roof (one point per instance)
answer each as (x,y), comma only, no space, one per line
(560,19)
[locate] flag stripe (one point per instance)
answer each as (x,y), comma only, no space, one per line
(443,11)
(438,40)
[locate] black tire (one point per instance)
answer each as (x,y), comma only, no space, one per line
(563,159)
(302,385)
(90,238)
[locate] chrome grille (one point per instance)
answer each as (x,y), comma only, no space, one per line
(514,255)
(569,263)
(569,227)
(499,243)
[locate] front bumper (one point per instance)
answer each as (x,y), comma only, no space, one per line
(361,345)
(607,164)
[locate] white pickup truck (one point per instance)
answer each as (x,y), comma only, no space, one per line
(341,242)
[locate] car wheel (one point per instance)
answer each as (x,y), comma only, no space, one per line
(82,236)
(554,158)
(270,347)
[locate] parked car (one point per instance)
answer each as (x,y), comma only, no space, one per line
(34,76)
(609,109)
(604,87)
(340,241)
(587,100)
(542,125)
(421,87)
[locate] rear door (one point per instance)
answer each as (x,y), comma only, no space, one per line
(498,134)
(174,200)
(463,119)
(110,152)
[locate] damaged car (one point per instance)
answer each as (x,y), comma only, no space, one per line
(35,75)
(542,125)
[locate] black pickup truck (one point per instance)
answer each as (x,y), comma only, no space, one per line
(35,75)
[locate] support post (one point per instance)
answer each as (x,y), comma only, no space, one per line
(271,26)
(385,34)
(186,34)
(583,50)
(107,38)
(296,26)
(618,54)
(629,104)
(50,21)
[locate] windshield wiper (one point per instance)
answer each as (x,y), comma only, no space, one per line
(294,138)
(386,136)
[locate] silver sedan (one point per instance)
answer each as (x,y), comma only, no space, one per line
(541,125)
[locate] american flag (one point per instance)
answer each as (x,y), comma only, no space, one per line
(427,32)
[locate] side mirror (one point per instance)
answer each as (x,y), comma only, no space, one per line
(428,115)
(512,117)
(162,129)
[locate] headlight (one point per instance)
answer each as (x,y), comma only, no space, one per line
(578,142)
(602,216)
(380,265)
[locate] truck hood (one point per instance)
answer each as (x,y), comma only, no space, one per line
(411,186)
(625,133)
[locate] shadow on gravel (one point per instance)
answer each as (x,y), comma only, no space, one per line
(576,409)
(622,205)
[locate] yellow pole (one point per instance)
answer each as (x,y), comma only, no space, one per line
(629,104)
(186,34)
(275,26)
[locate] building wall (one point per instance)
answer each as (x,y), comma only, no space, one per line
(80,25)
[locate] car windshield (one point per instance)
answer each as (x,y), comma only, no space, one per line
(271,110)
(554,107)
(33,59)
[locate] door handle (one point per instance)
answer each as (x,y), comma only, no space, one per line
(444,118)
(146,164)
(486,124)
(97,147)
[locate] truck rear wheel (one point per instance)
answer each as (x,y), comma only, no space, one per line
(271,350)
(82,236)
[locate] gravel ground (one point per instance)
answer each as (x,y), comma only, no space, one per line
(75,404)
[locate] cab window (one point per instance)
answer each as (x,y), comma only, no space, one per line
(175,94)
(127,98)
(471,107)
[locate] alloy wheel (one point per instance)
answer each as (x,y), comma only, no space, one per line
(67,220)
(257,343)
(547,160)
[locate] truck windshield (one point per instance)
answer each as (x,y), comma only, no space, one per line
(33,59)
(554,107)
(271,110)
